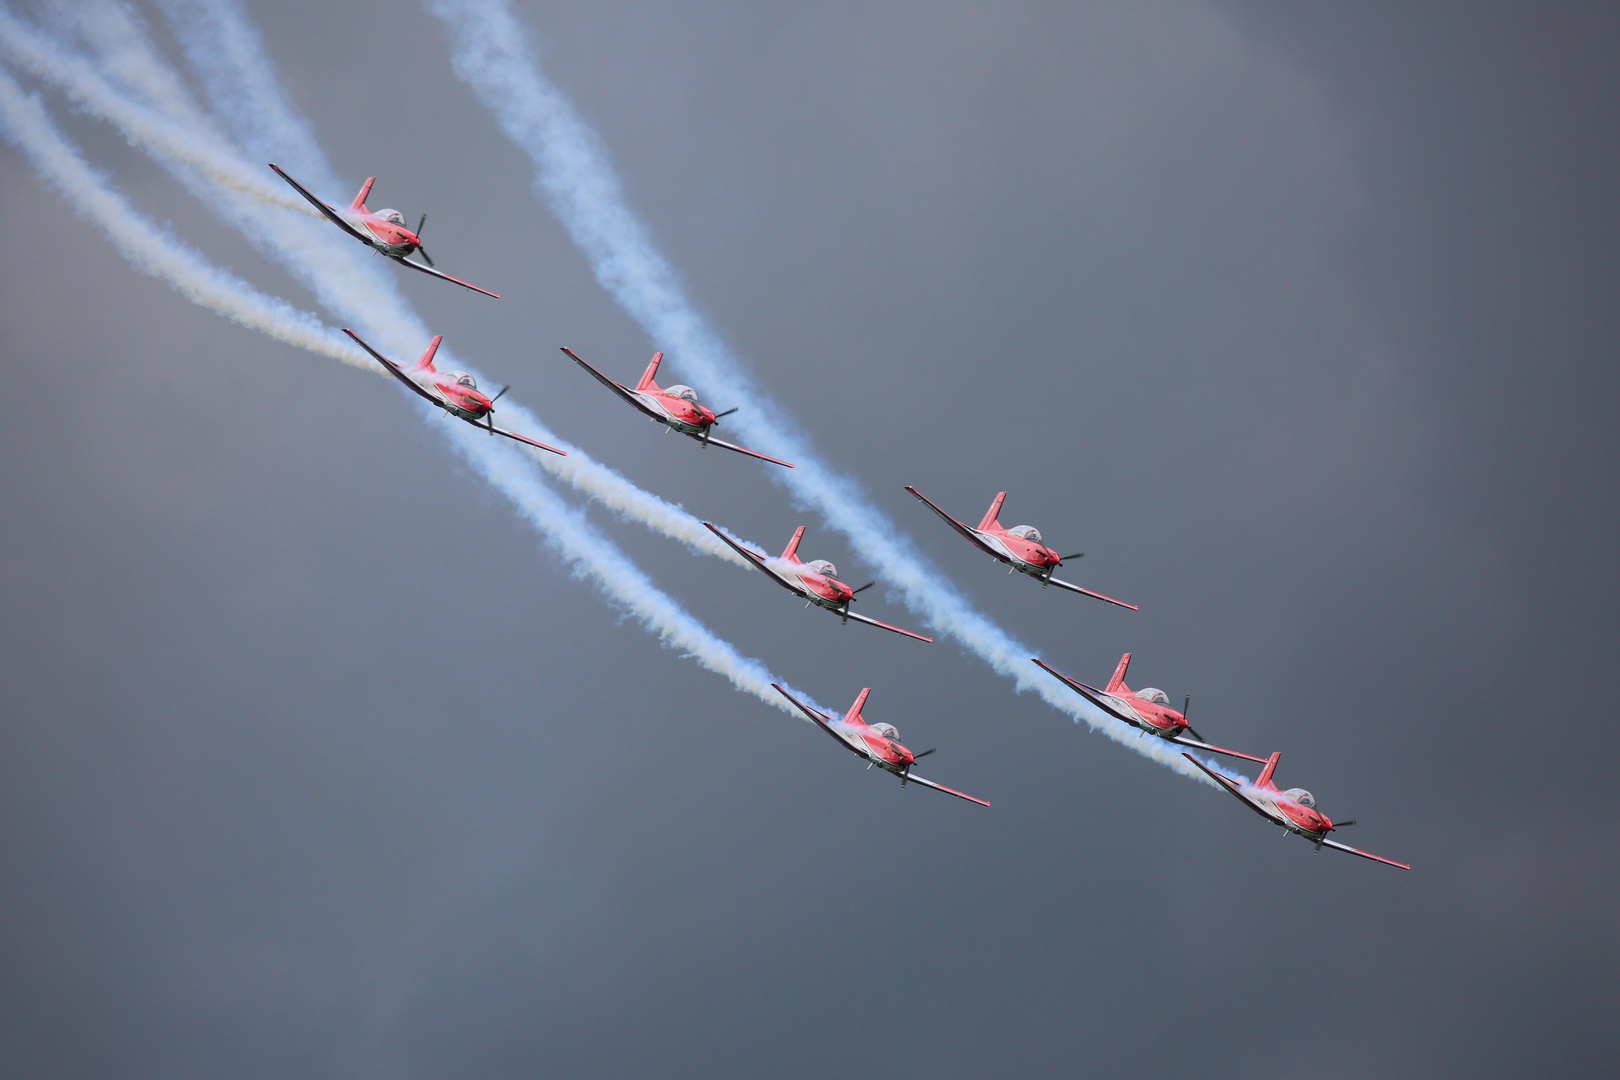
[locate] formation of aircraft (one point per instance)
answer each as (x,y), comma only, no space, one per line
(1020,547)
(815,582)
(676,407)
(878,744)
(1148,710)
(1294,810)
(456,392)
(380,230)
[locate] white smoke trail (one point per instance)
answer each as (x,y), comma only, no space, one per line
(24,121)
(174,131)
(490,51)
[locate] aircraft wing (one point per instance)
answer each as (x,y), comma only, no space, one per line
(392,367)
(518,438)
(884,625)
(1075,588)
(1364,854)
(1232,786)
(441,274)
(1091,694)
(733,446)
(330,214)
(949,791)
(1182,740)
(815,714)
(754,557)
(617,388)
(824,722)
(968,534)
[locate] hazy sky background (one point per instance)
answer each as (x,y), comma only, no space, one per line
(1298,319)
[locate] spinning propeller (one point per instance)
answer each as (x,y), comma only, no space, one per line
(419,248)
(1186,704)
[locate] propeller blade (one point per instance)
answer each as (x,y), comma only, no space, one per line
(497,397)
(868,585)
(728,412)
(1076,555)
(1186,703)
(905,775)
(1195,734)
(422,251)
(925,753)
(1344,824)
(419,225)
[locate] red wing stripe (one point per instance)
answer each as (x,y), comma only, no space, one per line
(941,787)
(441,274)
(391,367)
(1364,854)
(1088,592)
(618,388)
(884,625)
(520,438)
(968,534)
(330,213)
(1090,693)
(1182,740)
(739,449)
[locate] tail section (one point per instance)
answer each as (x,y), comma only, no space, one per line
(1117,683)
(426,363)
(993,513)
(791,552)
(646,382)
(854,714)
(359,204)
(1265,774)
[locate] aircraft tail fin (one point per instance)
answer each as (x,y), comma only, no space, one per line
(646,382)
(791,552)
(426,363)
(1117,683)
(359,204)
(854,714)
(994,512)
(1265,774)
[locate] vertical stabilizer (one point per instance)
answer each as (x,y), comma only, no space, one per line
(1265,773)
(993,513)
(791,552)
(359,204)
(646,382)
(854,714)
(426,363)
(1117,683)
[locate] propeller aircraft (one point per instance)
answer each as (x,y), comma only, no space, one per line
(1294,810)
(456,392)
(380,230)
(1147,710)
(676,407)
(1020,547)
(815,582)
(879,744)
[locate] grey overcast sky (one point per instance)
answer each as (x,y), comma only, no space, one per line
(1299,319)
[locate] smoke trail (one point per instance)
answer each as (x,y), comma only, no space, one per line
(490,51)
(23,121)
(184,141)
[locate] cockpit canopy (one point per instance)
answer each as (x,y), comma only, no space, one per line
(888,731)
(685,393)
(393,217)
(464,379)
(1301,796)
(1155,695)
(823,567)
(1026,532)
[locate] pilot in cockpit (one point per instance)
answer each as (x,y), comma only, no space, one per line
(1155,695)
(393,217)
(824,568)
(888,731)
(685,393)
(464,379)
(1026,532)
(1301,796)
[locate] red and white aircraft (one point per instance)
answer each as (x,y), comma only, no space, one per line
(676,407)
(1147,710)
(1020,547)
(816,582)
(381,230)
(879,744)
(456,392)
(1294,809)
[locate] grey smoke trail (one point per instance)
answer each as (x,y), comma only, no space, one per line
(25,123)
(174,131)
(490,51)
